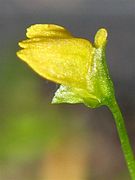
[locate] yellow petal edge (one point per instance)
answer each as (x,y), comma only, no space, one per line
(47,30)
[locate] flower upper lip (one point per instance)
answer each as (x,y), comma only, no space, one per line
(56,55)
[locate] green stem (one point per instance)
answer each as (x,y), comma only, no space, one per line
(126,147)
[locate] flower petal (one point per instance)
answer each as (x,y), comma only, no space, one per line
(47,30)
(65,61)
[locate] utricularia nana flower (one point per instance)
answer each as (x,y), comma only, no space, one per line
(75,63)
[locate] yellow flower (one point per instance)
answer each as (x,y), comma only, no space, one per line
(74,62)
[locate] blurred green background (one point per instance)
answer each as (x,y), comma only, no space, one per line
(40,141)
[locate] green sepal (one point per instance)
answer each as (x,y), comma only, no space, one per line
(75,95)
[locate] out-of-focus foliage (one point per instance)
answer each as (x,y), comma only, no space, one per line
(30,126)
